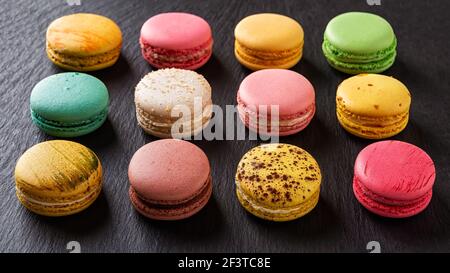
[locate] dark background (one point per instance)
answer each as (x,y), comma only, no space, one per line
(337,224)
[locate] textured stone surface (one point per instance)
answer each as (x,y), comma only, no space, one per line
(338,223)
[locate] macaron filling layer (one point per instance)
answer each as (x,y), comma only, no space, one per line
(371,127)
(356,68)
(389,207)
(179,58)
(58,209)
(385,200)
(171,210)
(285,123)
(84,62)
(90,179)
(351,57)
(77,126)
(163,127)
(267,58)
(55,202)
(279,213)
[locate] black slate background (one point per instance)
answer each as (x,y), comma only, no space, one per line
(337,224)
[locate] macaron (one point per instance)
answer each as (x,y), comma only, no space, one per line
(170,179)
(394,179)
(276,102)
(176,39)
(268,40)
(83,42)
(69,104)
(173,103)
(278,182)
(373,106)
(58,178)
(359,42)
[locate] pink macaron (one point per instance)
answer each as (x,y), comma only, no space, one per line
(176,40)
(394,179)
(286,90)
(169,179)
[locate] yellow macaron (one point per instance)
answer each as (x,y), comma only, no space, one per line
(83,42)
(57,178)
(278,182)
(268,40)
(373,106)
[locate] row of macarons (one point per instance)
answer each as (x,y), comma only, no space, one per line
(172,179)
(177,103)
(354,42)
(372,106)
(278,182)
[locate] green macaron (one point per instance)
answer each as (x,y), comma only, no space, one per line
(359,42)
(69,104)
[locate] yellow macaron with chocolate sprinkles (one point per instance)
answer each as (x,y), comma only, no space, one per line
(58,178)
(278,182)
(373,106)
(83,42)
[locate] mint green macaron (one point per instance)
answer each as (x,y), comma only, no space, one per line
(69,104)
(359,42)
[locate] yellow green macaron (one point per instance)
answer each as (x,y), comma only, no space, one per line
(373,106)
(58,178)
(278,182)
(268,40)
(83,42)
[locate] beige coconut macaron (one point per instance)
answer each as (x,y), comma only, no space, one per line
(173,103)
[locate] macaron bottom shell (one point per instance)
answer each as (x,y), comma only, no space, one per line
(60,129)
(278,215)
(371,131)
(190,59)
(86,63)
(296,123)
(255,61)
(172,211)
(356,64)
(59,208)
(402,210)
(164,130)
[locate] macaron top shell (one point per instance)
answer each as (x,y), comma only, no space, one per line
(288,89)
(84,34)
(360,33)
(176,30)
(278,175)
(160,91)
(374,95)
(395,169)
(269,31)
(69,97)
(168,170)
(58,168)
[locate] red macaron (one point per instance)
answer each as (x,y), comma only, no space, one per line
(394,179)
(169,179)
